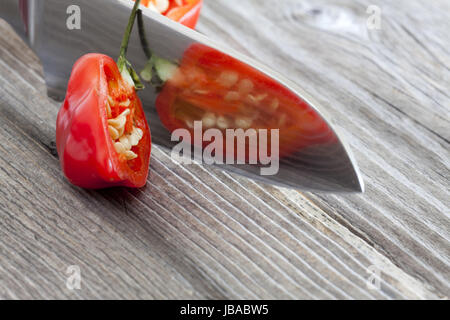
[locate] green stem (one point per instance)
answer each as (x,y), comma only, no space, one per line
(143,36)
(126,36)
(123,64)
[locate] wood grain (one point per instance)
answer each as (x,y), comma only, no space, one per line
(196,232)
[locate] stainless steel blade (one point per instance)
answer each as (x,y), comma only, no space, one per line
(327,166)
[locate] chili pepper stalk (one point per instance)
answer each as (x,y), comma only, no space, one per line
(125,67)
(157,70)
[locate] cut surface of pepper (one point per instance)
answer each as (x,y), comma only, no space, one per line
(102,135)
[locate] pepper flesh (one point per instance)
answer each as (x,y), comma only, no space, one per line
(86,149)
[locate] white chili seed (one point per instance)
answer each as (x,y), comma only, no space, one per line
(202,92)
(243,123)
(116,129)
(108,109)
(119,147)
(121,130)
(261,97)
(209,120)
(135,136)
(152,7)
(245,86)
(222,122)
(232,96)
(113,132)
(125,112)
(130,155)
(189,123)
(125,142)
(133,139)
(228,78)
(274,104)
(111,101)
(161,5)
(125,103)
(139,132)
(118,123)
(252,99)
(256,99)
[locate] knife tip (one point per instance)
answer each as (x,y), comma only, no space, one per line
(359,186)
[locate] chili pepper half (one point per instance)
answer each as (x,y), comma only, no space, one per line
(102,135)
(185,12)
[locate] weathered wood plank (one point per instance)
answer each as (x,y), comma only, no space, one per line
(386,90)
(196,232)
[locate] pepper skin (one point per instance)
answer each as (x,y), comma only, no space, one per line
(86,150)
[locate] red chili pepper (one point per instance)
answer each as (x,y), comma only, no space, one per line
(185,12)
(102,135)
(226,93)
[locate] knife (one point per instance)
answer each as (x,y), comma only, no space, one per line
(326,165)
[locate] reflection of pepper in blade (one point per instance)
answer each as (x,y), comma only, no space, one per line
(225,93)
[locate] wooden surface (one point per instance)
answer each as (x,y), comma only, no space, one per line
(193,232)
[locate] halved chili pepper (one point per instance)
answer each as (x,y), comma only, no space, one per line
(102,135)
(225,93)
(185,12)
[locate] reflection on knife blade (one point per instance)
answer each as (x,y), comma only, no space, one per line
(254,116)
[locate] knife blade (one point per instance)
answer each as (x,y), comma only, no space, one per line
(324,165)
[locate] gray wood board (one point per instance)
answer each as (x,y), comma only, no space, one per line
(196,232)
